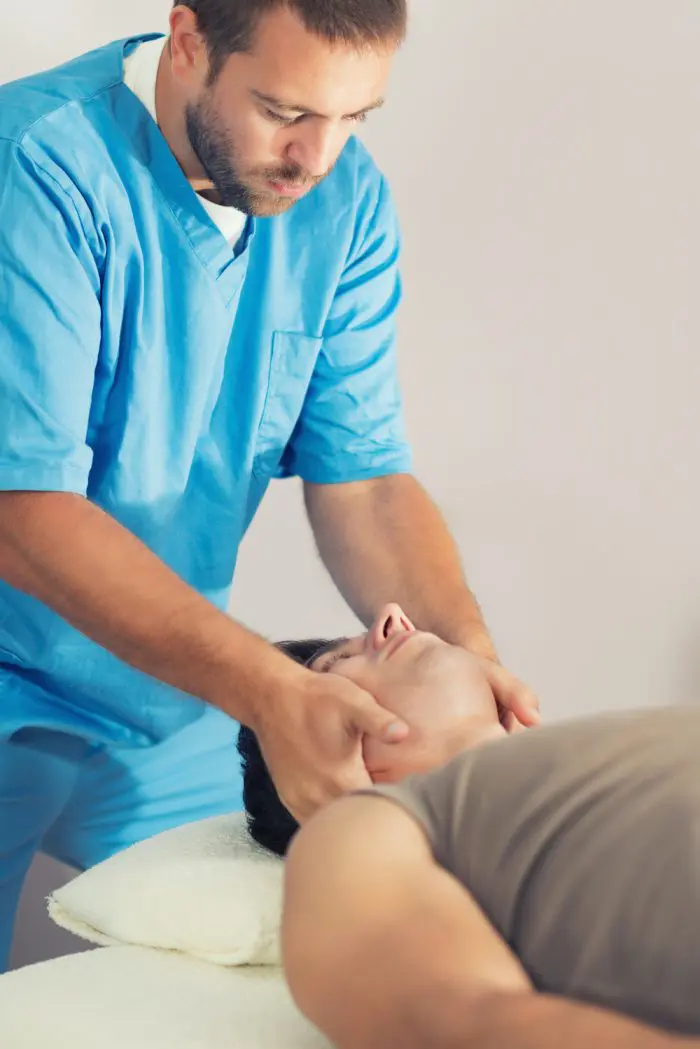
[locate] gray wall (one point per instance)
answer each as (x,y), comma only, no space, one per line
(545,159)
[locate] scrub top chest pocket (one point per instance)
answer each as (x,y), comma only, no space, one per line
(292,362)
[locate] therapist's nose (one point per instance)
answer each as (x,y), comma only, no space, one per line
(315,148)
(391,620)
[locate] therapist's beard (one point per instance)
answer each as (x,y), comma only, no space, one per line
(213,150)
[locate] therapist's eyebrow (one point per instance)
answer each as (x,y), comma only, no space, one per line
(287,107)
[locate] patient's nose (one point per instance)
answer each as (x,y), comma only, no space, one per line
(391,620)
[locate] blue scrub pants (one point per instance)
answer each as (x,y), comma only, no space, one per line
(81,804)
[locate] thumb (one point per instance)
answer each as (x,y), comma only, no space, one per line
(371,719)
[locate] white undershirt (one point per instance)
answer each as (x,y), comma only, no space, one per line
(140,75)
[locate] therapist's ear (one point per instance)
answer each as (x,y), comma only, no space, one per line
(188,48)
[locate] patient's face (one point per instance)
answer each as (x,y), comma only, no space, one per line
(437,688)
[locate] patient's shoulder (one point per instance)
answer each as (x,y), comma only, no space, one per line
(510,797)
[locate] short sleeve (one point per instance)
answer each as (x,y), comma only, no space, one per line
(351,427)
(436,800)
(50,326)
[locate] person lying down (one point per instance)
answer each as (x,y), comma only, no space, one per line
(531,891)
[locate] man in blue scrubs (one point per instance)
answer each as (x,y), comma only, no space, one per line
(198,287)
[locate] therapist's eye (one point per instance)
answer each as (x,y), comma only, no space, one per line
(277,118)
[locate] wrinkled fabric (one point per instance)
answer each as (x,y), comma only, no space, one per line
(82,803)
(147,366)
(579,842)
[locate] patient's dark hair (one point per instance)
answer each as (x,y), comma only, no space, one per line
(269,822)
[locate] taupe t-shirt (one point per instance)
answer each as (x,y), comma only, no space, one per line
(581,842)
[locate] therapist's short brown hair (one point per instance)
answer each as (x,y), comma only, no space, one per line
(229,25)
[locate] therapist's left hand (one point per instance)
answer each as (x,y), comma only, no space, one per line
(518,706)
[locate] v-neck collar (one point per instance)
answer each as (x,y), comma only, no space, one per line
(208,242)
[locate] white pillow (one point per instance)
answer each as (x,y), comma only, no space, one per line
(135,998)
(205,889)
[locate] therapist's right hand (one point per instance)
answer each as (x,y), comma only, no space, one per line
(312,742)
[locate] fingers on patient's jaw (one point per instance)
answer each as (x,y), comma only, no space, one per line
(531,708)
(524,719)
(512,725)
(513,696)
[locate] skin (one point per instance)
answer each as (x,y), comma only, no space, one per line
(439,690)
(67,553)
(381,945)
(366,536)
(276,117)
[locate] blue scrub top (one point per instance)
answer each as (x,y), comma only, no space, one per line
(146,365)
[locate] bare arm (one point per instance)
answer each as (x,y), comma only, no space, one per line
(541,1022)
(385,540)
(382,948)
(77,560)
(83,564)
(379,942)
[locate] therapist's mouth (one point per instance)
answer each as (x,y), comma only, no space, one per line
(284,189)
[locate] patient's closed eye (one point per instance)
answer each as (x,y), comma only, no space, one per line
(332,659)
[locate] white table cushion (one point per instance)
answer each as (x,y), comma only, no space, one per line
(137,998)
(205,889)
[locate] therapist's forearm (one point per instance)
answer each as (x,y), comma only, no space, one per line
(80,562)
(385,540)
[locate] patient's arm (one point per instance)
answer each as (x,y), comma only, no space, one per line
(379,942)
(384,948)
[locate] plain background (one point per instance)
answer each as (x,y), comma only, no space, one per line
(545,160)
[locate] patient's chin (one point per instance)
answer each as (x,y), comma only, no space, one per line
(401,771)
(387,763)
(424,750)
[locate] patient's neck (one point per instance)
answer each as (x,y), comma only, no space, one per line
(480,730)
